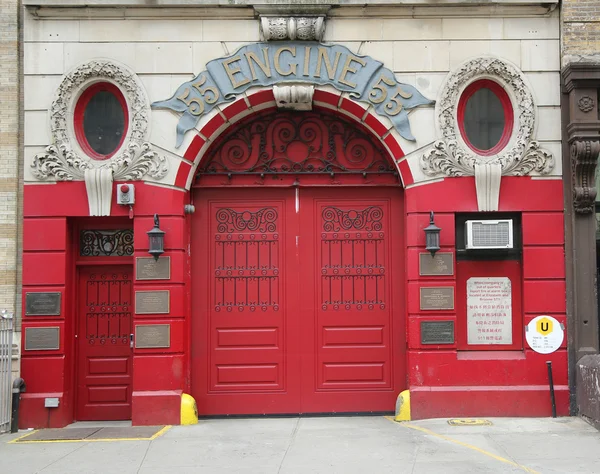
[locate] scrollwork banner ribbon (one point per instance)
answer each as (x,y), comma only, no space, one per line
(265,64)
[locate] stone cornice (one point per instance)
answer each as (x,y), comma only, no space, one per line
(241,9)
(276,3)
(581,75)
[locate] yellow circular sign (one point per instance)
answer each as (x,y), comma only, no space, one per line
(544,334)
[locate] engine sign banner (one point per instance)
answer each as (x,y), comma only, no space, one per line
(265,64)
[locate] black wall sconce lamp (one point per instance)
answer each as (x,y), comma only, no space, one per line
(156,240)
(432,236)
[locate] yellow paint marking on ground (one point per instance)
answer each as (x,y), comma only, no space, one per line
(21,437)
(94,440)
(160,433)
(466,445)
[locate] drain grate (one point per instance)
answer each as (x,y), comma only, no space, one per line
(469,422)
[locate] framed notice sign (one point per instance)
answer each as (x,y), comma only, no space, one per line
(489,311)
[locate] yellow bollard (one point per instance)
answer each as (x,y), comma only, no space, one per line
(403,406)
(189,410)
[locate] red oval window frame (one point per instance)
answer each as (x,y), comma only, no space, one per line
(80,107)
(509,116)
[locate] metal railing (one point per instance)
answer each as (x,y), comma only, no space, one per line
(6,337)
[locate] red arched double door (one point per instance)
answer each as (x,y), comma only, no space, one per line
(297,271)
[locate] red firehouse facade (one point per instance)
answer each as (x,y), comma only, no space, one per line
(294,176)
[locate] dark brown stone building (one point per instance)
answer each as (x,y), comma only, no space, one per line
(581,141)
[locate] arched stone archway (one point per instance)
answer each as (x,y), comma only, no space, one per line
(218,123)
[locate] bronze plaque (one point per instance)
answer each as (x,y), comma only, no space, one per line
(437,332)
(42,303)
(152,302)
(437,298)
(441,264)
(42,339)
(146,268)
(148,336)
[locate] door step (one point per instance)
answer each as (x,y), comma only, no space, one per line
(137,433)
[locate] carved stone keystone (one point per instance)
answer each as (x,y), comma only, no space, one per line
(294,97)
(98,184)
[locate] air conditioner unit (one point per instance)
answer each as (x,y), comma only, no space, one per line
(489,234)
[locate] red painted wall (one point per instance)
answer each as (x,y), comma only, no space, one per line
(444,381)
(52,215)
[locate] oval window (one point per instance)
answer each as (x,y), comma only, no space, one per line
(101,120)
(485,117)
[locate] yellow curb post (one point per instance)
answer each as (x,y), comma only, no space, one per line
(189,410)
(403,406)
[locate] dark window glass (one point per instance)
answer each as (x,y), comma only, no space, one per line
(104,122)
(484,119)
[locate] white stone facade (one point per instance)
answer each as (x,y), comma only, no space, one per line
(168,46)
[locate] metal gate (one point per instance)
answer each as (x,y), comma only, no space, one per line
(6,331)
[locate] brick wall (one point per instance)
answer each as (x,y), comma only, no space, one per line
(10,146)
(581,30)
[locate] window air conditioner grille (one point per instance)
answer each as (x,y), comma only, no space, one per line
(489,234)
(495,235)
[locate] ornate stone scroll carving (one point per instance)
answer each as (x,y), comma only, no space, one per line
(294,97)
(292,28)
(65,161)
(450,156)
(584,157)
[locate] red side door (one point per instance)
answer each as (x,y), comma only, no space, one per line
(104,352)
(352,303)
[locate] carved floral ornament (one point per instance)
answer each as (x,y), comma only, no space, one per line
(521,156)
(586,104)
(65,161)
(292,28)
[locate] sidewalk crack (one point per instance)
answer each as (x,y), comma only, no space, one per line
(292,437)
(144,458)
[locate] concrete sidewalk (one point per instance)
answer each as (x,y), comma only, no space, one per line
(342,445)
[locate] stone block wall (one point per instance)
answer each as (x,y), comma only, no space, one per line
(167,51)
(11,189)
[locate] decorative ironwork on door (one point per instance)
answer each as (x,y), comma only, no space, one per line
(292,143)
(106,243)
(352,258)
(108,308)
(246,259)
